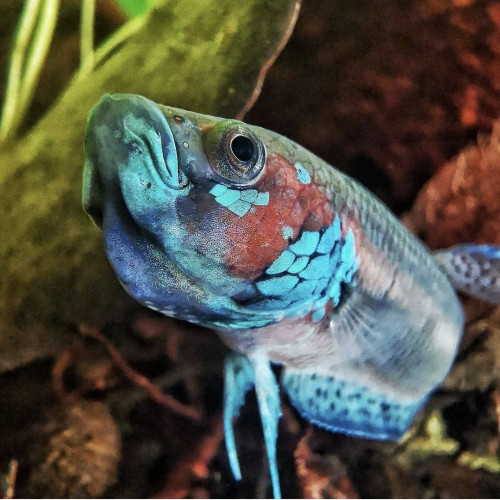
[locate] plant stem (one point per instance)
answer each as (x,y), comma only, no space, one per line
(112,43)
(25,29)
(87,36)
(37,55)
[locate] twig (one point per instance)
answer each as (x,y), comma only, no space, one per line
(62,362)
(496,401)
(294,14)
(321,476)
(140,380)
(194,465)
(10,490)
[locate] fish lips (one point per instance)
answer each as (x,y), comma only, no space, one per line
(126,135)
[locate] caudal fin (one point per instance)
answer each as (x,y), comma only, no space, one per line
(473,269)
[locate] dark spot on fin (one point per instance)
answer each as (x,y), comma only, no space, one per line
(347,407)
(473,269)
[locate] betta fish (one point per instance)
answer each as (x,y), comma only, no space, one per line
(289,260)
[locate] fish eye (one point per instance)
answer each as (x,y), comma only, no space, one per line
(235,153)
(242,148)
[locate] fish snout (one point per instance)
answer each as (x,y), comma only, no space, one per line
(127,136)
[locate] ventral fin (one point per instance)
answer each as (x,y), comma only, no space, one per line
(240,375)
(473,269)
(238,380)
(347,407)
(267,391)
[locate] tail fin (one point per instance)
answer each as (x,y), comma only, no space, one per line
(473,269)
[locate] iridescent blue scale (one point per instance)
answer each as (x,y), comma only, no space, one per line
(282,263)
(306,244)
(238,201)
(310,271)
(298,265)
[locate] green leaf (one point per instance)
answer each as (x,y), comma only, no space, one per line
(135,8)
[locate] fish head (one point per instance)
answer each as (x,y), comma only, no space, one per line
(195,209)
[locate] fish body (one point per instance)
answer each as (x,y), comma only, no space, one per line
(289,260)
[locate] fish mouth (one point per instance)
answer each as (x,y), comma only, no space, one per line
(126,132)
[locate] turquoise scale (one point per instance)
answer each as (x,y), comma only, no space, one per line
(308,274)
(239,201)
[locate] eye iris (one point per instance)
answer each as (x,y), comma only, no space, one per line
(242,147)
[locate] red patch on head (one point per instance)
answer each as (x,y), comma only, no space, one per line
(257,238)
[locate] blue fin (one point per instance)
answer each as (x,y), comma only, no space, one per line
(473,269)
(239,376)
(238,380)
(347,407)
(268,397)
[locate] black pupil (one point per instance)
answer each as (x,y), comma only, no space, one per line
(243,148)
